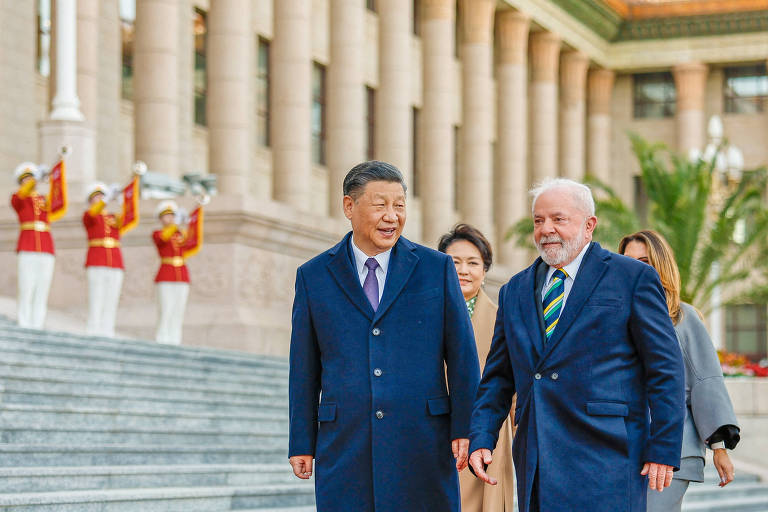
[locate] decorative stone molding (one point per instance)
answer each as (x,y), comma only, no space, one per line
(545,53)
(600,87)
(477,21)
(573,77)
(438,9)
(512,33)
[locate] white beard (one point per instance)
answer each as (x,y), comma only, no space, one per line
(567,251)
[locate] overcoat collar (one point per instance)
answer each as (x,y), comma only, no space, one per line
(401,265)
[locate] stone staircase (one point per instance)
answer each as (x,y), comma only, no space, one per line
(745,494)
(93,424)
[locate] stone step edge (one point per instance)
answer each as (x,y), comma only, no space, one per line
(6,448)
(732,503)
(731,488)
(149,469)
(11,428)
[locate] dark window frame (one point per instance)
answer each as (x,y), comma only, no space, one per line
(263,112)
(371,5)
(200,65)
(733,326)
(415,167)
(370,118)
(732,102)
(319,100)
(644,108)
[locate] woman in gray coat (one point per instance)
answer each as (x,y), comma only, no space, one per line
(710,420)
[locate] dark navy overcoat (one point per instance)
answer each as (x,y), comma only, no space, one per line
(584,396)
(368,394)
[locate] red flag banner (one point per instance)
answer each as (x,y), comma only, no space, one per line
(57,195)
(130,217)
(194,233)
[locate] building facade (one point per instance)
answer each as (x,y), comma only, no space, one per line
(474,100)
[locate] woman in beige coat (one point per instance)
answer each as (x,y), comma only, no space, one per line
(472,256)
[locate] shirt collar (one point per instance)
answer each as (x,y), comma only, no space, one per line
(361,257)
(572,268)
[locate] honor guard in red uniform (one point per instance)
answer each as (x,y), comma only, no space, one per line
(35,248)
(174,245)
(104,262)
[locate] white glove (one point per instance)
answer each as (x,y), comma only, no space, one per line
(113,191)
(182,217)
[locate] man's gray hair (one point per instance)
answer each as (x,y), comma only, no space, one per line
(362,174)
(581,193)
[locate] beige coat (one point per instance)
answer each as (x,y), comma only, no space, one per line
(476,496)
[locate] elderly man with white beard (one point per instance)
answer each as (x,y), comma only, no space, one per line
(584,338)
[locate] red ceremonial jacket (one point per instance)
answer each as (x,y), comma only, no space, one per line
(171,251)
(35,233)
(103,240)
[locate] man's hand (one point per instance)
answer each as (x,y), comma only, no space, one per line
(659,475)
(477,460)
(302,466)
(724,467)
(460,447)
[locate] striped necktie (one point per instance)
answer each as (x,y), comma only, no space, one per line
(553,301)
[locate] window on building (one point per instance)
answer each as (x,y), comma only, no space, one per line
(456,155)
(371,5)
(745,89)
(370,121)
(318,113)
(262,92)
(654,95)
(44,37)
(416,18)
(457,31)
(127,31)
(200,31)
(415,112)
(745,330)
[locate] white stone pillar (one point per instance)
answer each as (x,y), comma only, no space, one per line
(155,85)
(229,109)
(544,54)
(346,96)
(573,81)
(476,170)
(600,85)
(436,180)
(393,134)
(66,104)
(291,94)
(88,59)
(691,84)
(511,202)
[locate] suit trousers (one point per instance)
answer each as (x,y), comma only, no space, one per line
(35,272)
(671,500)
(104,285)
(172,301)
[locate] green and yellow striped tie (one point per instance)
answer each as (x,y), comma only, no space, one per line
(553,301)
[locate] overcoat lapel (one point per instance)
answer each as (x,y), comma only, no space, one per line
(343,271)
(528,311)
(589,275)
(401,265)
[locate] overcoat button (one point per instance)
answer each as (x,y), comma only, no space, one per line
(379,415)
(555,376)
(377,372)
(376,331)
(537,376)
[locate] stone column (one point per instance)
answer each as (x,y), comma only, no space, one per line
(155,85)
(436,180)
(88,58)
(511,202)
(394,131)
(600,85)
(346,96)
(476,170)
(66,104)
(691,84)
(544,54)
(229,110)
(573,81)
(290,102)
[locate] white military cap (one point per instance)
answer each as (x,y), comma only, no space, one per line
(167,206)
(25,169)
(94,188)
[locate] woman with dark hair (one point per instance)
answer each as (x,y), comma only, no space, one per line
(710,420)
(473,256)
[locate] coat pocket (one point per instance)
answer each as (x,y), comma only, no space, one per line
(607,409)
(326,412)
(439,406)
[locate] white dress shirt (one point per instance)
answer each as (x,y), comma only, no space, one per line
(571,269)
(362,270)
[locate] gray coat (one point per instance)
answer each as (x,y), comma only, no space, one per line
(709,406)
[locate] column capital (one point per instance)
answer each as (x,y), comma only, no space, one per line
(573,76)
(512,34)
(477,21)
(438,9)
(600,85)
(690,83)
(545,53)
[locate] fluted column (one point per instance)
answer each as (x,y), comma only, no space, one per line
(573,82)
(545,55)
(600,85)
(66,104)
(437,34)
(346,96)
(476,170)
(690,83)
(394,128)
(512,132)
(291,93)
(230,47)
(88,58)
(155,85)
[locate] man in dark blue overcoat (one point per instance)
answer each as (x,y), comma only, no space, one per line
(383,364)
(585,339)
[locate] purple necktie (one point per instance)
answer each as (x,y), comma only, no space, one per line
(371,284)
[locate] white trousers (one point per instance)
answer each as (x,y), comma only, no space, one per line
(104,285)
(35,274)
(172,301)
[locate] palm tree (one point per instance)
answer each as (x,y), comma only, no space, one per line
(722,226)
